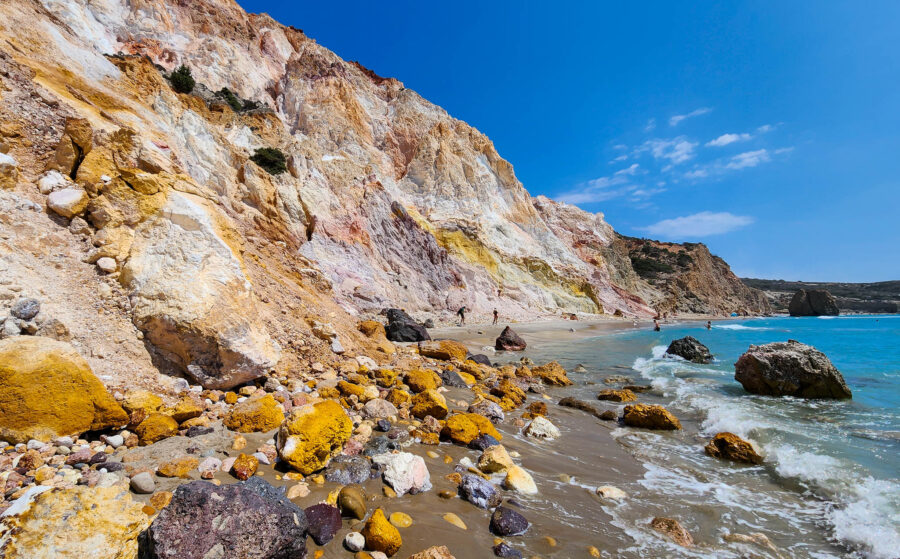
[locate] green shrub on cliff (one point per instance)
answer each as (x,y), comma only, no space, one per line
(233,101)
(270,159)
(182,80)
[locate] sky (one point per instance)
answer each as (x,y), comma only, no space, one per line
(768,130)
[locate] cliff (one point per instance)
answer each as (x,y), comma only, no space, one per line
(167,247)
(878,297)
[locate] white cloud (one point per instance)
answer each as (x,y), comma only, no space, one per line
(620,146)
(651,124)
(726,139)
(631,170)
(696,112)
(765,128)
(748,159)
(622,157)
(781,151)
(701,224)
(676,150)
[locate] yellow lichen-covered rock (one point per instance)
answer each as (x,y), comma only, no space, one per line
(509,390)
(613,395)
(349,389)
(445,350)
(385,377)
(463,428)
(419,380)
(186,408)
(312,434)
(429,402)
(467,378)
(398,397)
(98,522)
(140,399)
(495,459)
(47,390)
(180,467)
(381,535)
(552,373)
(731,447)
(374,330)
(156,427)
(255,415)
(650,417)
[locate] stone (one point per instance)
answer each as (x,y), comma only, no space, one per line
(403,328)
(731,447)
(535,409)
(160,499)
(611,492)
(552,374)
(503,549)
(789,369)
(181,467)
(379,445)
(453,379)
(101,522)
(196,307)
(400,520)
(9,172)
(379,408)
(507,522)
(650,417)
(445,350)
(813,302)
(255,415)
(429,402)
(691,349)
(613,395)
(673,530)
(156,427)
(48,390)
(68,202)
(494,460)
(520,481)
(324,522)
(354,541)
(420,380)
(297,491)
(188,407)
(381,535)
(25,308)
(198,431)
(352,501)
(349,469)
(541,428)
(143,483)
(479,491)
(312,434)
(455,520)
(209,466)
(577,404)
(246,520)
(434,552)
(463,428)
(107,265)
(508,340)
(488,409)
(483,442)
(404,472)
(139,399)
(245,465)
(398,397)
(481,359)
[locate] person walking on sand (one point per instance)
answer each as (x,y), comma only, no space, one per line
(462,315)
(496,316)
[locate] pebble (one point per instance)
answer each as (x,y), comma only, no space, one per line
(107,264)
(354,541)
(143,483)
(455,520)
(610,492)
(114,441)
(298,491)
(400,520)
(506,550)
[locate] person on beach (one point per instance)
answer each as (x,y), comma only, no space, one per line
(708,325)
(461,313)
(496,316)
(656,327)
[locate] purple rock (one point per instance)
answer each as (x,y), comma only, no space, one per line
(507,522)
(324,522)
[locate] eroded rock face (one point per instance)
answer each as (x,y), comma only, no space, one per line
(789,369)
(813,302)
(691,349)
(192,300)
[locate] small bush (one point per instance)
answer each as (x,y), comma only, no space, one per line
(249,105)
(182,80)
(270,159)
(233,101)
(649,268)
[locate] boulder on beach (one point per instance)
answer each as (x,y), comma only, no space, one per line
(650,417)
(48,390)
(813,302)
(731,447)
(613,395)
(445,350)
(381,535)
(479,491)
(552,374)
(691,349)
(312,434)
(507,522)
(789,369)
(508,340)
(403,328)
(673,530)
(404,472)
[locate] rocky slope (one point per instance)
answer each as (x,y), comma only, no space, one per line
(878,297)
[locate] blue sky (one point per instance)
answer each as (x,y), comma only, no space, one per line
(768,130)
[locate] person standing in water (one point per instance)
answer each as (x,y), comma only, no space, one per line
(462,315)
(708,325)
(656,327)
(496,316)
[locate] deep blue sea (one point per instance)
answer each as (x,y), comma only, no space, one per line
(831,478)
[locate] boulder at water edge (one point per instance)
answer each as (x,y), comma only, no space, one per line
(789,369)
(444,350)
(509,341)
(732,447)
(381,535)
(691,349)
(814,302)
(404,472)
(650,417)
(47,390)
(312,434)
(246,520)
(403,328)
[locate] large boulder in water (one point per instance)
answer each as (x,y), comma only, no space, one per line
(403,328)
(789,369)
(814,302)
(691,349)
(509,341)
(246,520)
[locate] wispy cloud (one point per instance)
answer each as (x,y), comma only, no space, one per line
(650,126)
(748,159)
(631,170)
(619,185)
(726,139)
(675,150)
(673,121)
(622,157)
(765,128)
(697,225)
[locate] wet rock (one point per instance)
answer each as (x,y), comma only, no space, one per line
(607,415)
(312,434)
(495,459)
(789,369)
(813,302)
(610,492)
(541,428)
(731,447)
(552,374)
(245,465)
(445,350)
(488,409)
(508,340)
(255,414)
(244,520)
(481,359)
(503,549)
(354,541)
(404,472)
(403,328)
(381,535)
(612,395)
(637,388)
(379,445)
(400,520)
(673,530)
(519,480)
(350,469)
(463,428)
(48,390)
(324,522)
(352,501)
(577,404)
(429,402)
(479,491)
(650,417)
(482,442)
(507,522)
(691,349)
(379,409)
(453,379)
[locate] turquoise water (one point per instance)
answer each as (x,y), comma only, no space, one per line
(830,484)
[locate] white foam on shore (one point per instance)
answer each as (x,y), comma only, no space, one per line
(739,327)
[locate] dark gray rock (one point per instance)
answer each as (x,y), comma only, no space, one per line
(324,522)
(480,358)
(403,328)
(490,410)
(452,378)
(244,520)
(509,341)
(691,349)
(350,469)
(789,369)
(198,430)
(482,442)
(25,308)
(814,302)
(505,550)
(479,491)
(379,445)
(382,425)
(507,522)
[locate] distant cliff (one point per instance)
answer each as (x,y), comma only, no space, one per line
(878,297)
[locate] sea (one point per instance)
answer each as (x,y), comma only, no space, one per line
(830,482)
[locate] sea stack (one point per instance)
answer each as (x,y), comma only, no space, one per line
(789,369)
(815,302)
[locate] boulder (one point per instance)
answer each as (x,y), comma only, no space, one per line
(508,340)
(379,408)
(813,302)
(422,379)
(9,172)
(255,414)
(352,501)
(143,400)
(74,145)
(541,428)
(196,306)
(463,428)
(381,535)
(552,374)
(673,530)
(312,434)
(429,402)
(481,359)
(519,480)
(403,328)
(732,447)
(611,492)
(404,472)
(507,522)
(479,491)
(350,469)
(434,552)
(488,409)
(47,390)
(691,349)
(495,459)
(577,404)
(445,350)
(68,202)
(246,520)
(650,417)
(789,369)
(156,427)
(97,522)
(613,395)
(324,522)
